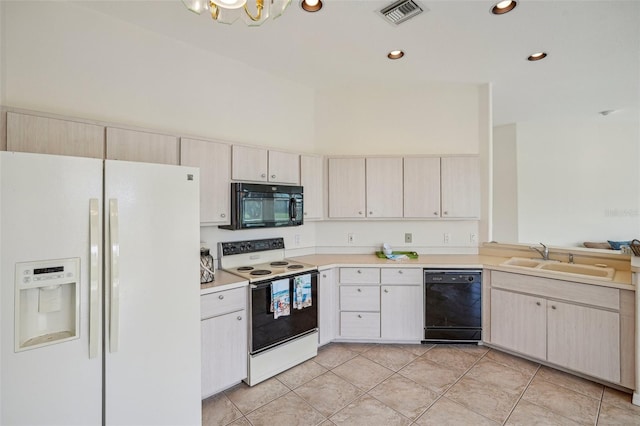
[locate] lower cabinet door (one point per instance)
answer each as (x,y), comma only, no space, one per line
(224,351)
(401,312)
(584,339)
(519,322)
(360,324)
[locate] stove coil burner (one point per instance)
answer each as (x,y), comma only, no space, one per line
(260,272)
(279,263)
(245,268)
(295,266)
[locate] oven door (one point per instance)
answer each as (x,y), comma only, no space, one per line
(271,325)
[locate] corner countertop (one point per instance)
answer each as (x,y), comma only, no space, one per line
(223,281)
(621,280)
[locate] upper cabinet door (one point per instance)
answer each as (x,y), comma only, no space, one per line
(311,174)
(460,187)
(30,133)
(248,163)
(132,145)
(384,187)
(214,161)
(347,188)
(422,187)
(284,167)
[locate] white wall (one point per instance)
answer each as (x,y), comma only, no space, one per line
(66,59)
(578,181)
(505,184)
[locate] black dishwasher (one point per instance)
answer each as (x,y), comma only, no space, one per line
(453,305)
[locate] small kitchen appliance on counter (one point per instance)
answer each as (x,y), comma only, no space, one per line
(207,267)
(283,305)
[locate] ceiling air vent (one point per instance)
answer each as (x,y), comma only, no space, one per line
(401,11)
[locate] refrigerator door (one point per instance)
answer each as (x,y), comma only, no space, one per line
(152,298)
(45,212)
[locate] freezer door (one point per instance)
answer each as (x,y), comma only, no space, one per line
(45,216)
(152,329)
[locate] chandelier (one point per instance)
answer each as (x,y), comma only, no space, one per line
(252,12)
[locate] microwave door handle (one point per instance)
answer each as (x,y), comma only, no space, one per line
(293,207)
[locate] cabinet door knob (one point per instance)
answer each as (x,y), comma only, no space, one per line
(400,271)
(370,213)
(386,291)
(538,303)
(324,276)
(435,213)
(222,215)
(359,271)
(273,176)
(359,316)
(263,175)
(360,213)
(305,213)
(359,290)
(221,297)
(239,318)
(553,307)
(445,213)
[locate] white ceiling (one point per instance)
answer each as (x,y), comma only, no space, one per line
(593,46)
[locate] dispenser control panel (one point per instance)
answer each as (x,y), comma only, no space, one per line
(48,272)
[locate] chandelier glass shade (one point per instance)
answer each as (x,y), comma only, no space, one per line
(252,12)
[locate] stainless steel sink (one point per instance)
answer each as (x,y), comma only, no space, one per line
(600,272)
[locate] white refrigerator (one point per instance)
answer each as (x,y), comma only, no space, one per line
(99,297)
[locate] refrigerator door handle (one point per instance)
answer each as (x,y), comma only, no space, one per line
(115,274)
(94,277)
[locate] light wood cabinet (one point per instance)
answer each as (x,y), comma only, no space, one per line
(460,187)
(572,325)
(384,187)
(347,188)
(214,161)
(327,306)
(422,187)
(311,178)
(401,312)
(42,135)
(262,165)
(133,145)
(224,320)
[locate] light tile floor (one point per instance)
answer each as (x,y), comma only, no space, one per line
(369,384)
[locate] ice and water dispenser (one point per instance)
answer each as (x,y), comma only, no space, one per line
(47,302)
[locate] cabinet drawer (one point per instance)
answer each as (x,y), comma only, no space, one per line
(222,302)
(359,275)
(588,294)
(401,276)
(360,298)
(359,324)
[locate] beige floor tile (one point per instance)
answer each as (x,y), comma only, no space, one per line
(327,423)
(240,422)
(368,411)
(505,378)
(451,357)
(289,409)
(219,410)
(575,383)
(619,399)
(362,372)
(472,349)
(301,374)
(248,398)
(448,413)
(528,414)
(390,356)
(436,377)
(356,347)
(328,393)
(483,398)
(403,395)
(512,361)
(565,402)
(614,415)
(332,355)
(417,349)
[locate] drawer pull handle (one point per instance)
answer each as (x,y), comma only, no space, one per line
(538,303)
(399,272)
(359,316)
(221,297)
(359,271)
(239,318)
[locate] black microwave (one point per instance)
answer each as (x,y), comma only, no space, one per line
(255,205)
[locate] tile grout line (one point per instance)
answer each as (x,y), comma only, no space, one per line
(522,394)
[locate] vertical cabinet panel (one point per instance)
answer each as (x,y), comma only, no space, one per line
(422,187)
(132,145)
(41,135)
(311,174)
(327,306)
(284,167)
(248,163)
(460,181)
(214,161)
(384,187)
(347,188)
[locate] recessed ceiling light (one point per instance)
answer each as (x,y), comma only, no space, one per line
(395,54)
(311,5)
(537,56)
(503,7)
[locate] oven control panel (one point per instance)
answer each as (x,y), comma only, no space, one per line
(251,246)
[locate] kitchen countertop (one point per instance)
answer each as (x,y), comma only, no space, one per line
(621,280)
(223,281)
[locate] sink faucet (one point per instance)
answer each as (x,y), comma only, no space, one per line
(544,252)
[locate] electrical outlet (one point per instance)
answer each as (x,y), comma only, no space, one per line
(297,239)
(473,238)
(446,237)
(350,238)
(408,238)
